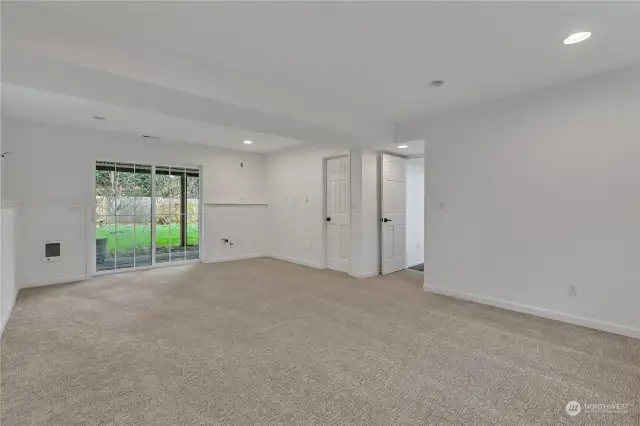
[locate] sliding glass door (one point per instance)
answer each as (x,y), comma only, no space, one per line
(177,213)
(135,202)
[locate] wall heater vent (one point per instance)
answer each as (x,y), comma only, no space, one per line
(52,251)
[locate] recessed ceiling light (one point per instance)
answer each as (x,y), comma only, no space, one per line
(98,117)
(248,142)
(436,83)
(403,146)
(577,37)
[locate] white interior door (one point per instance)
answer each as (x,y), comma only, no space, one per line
(337,218)
(393,213)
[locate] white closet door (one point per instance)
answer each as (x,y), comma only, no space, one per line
(394,189)
(337,218)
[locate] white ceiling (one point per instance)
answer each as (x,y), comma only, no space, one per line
(342,71)
(413,148)
(32,104)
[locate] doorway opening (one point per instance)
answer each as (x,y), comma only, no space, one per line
(415,213)
(401,213)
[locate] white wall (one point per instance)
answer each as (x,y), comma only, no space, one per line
(364,214)
(370,265)
(271,206)
(49,176)
(415,211)
(540,191)
(244,226)
(296,207)
(8,287)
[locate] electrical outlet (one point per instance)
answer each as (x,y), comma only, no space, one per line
(572,290)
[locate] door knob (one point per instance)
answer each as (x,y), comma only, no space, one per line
(385,220)
(328,219)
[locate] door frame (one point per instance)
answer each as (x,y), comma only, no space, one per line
(323,217)
(381,155)
(90,215)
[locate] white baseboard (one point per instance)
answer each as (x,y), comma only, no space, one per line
(57,281)
(318,266)
(4,323)
(364,275)
(232,258)
(298,262)
(540,312)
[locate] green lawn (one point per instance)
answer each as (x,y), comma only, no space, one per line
(165,234)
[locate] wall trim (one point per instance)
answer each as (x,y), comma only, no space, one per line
(232,258)
(364,275)
(4,323)
(66,280)
(540,312)
(232,204)
(297,262)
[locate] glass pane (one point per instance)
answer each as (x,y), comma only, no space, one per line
(105,243)
(177,248)
(142,242)
(163,192)
(124,242)
(124,188)
(170,197)
(163,238)
(105,221)
(142,215)
(193,215)
(168,190)
(193,195)
(105,189)
(143,180)
(193,237)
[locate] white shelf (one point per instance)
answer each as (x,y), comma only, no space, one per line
(232,203)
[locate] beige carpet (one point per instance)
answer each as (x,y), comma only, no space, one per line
(267,342)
